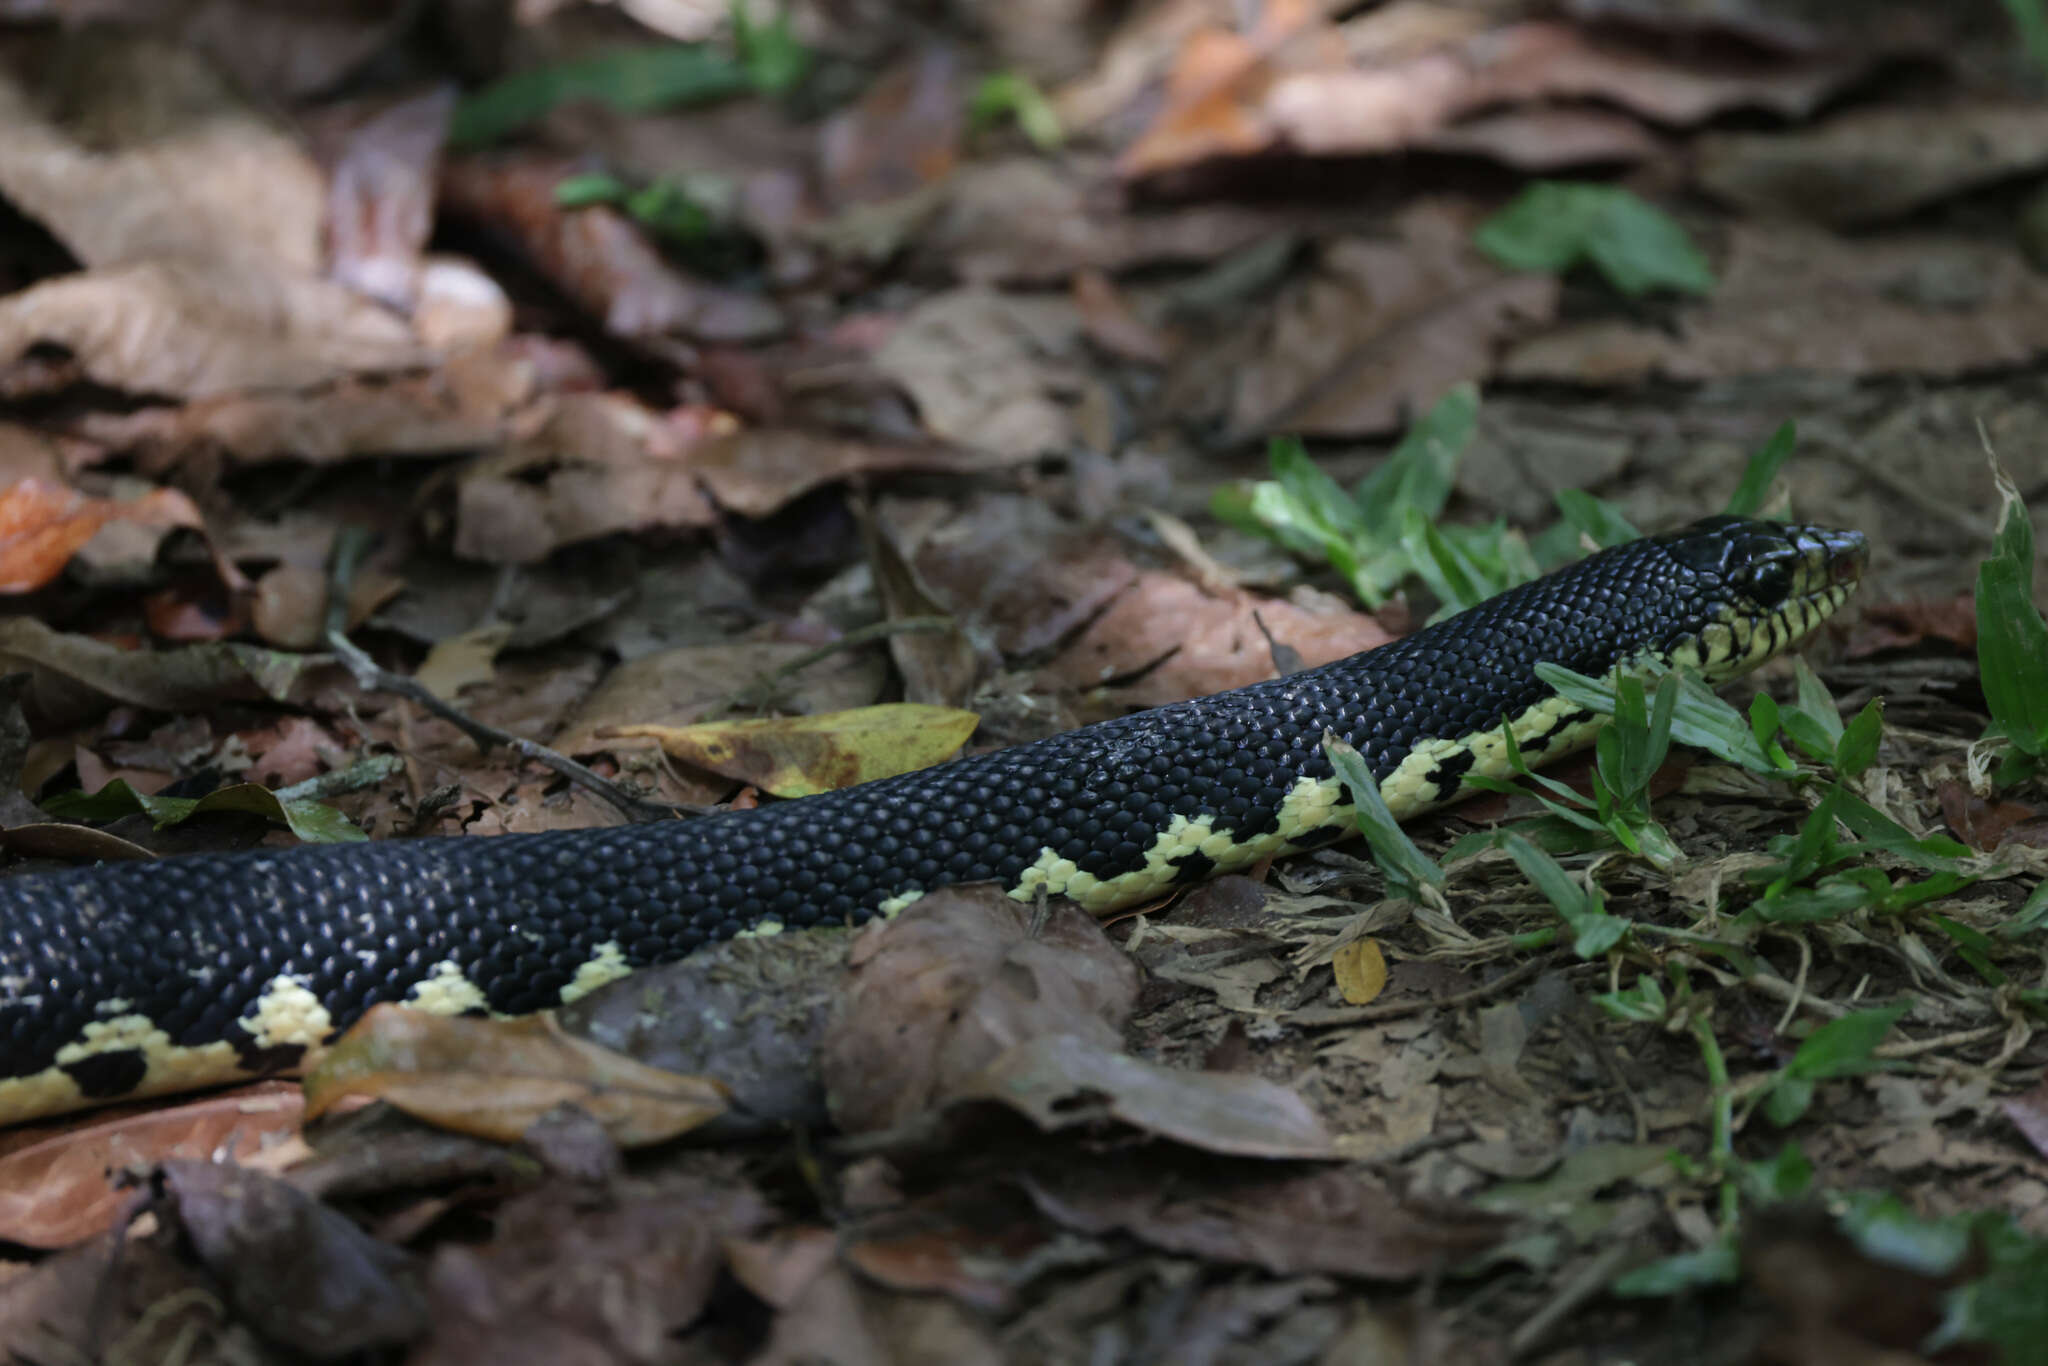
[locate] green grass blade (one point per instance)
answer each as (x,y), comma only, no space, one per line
(1762,471)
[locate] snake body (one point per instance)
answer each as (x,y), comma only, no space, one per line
(130,979)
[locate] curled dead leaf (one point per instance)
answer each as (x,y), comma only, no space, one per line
(496,1078)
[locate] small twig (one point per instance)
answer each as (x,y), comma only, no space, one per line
(349,547)
(1585,1283)
(365,772)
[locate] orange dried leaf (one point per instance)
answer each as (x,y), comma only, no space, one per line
(495,1078)
(43,524)
(800,756)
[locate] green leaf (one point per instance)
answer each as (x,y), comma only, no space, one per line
(1858,748)
(1839,1048)
(1422,469)
(1973,946)
(1787,1176)
(630,80)
(1007,94)
(579,191)
(1595,518)
(1761,471)
(1554,225)
(1817,702)
(771,55)
(309,820)
(1700,718)
(1594,931)
(2012,639)
(1714,1264)
(1408,869)
(1642,1003)
(1880,831)
(2029,918)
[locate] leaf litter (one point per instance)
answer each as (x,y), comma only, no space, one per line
(612,390)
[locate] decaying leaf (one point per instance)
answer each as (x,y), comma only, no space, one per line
(308,819)
(1051,1078)
(800,756)
(77,675)
(303,1274)
(578,1276)
(1332,1221)
(1800,299)
(1164,639)
(955,980)
(496,1078)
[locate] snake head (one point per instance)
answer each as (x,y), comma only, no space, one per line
(1762,588)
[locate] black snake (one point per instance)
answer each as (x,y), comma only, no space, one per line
(140,978)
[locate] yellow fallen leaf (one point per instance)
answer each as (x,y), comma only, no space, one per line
(455,663)
(800,756)
(1361,971)
(495,1078)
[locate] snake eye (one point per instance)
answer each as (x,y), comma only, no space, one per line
(1770,583)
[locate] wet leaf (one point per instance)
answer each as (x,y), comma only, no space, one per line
(496,1078)
(800,756)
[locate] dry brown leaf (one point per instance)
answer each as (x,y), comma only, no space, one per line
(1548,138)
(473,400)
(1874,164)
(496,1078)
(296,1270)
(1028,220)
(460,660)
(1062,1079)
(1232,95)
(1377,331)
(1333,1221)
(1794,298)
(1188,644)
(383,158)
(58,1191)
(165,162)
(902,135)
(836,1318)
(938,667)
(190,328)
(682,685)
(76,675)
(581,1276)
(801,756)
(975,362)
(601,463)
(1904,624)
(1013,567)
(956,979)
(1983,824)
(759,470)
(599,257)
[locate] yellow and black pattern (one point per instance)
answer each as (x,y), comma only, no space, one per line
(135,979)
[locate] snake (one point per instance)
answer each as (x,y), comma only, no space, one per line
(137,978)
